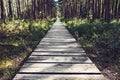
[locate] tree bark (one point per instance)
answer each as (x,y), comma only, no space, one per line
(116,8)
(119,11)
(107,11)
(33,8)
(93,10)
(10,9)
(103,9)
(99,9)
(18,9)
(2,9)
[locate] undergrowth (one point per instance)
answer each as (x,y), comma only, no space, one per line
(101,41)
(17,39)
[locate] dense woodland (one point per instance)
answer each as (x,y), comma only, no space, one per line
(27,9)
(96,26)
(94,23)
(23,23)
(91,9)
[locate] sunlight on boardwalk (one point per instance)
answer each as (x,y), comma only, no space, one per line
(59,57)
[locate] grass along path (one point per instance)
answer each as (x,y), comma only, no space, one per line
(101,42)
(17,39)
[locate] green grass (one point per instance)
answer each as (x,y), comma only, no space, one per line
(17,39)
(100,40)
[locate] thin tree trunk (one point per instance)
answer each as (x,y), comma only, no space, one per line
(119,11)
(99,9)
(18,9)
(10,9)
(103,9)
(2,9)
(107,11)
(88,8)
(93,10)
(112,11)
(33,8)
(116,4)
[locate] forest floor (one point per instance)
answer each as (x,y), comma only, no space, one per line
(105,64)
(101,42)
(17,40)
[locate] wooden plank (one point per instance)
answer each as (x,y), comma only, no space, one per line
(59,46)
(58,77)
(79,59)
(60,50)
(59,68)
(58,39)
(56,53)
(60,43)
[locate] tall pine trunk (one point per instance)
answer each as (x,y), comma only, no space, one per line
(99,9)
(33,8)
(112,10)
(18,9)
(1,9)
(119,11)
(93,10)
(10,9)
(116,8)
(107,11)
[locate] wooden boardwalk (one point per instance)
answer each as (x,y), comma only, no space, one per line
(59,57)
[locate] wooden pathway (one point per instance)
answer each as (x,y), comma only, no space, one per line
(59,57)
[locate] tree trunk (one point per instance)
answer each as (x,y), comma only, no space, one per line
(102,13)
(112,10)
(119,11)
(99,9)
(93,10)
(116,8)
(10,9)
(88,8)
(18,9)
(107,11)
(1,9)
(33,8)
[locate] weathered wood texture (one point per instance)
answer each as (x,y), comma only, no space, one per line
(59,57)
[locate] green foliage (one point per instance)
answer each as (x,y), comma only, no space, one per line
(98,33)
(18,38)
(98,38)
